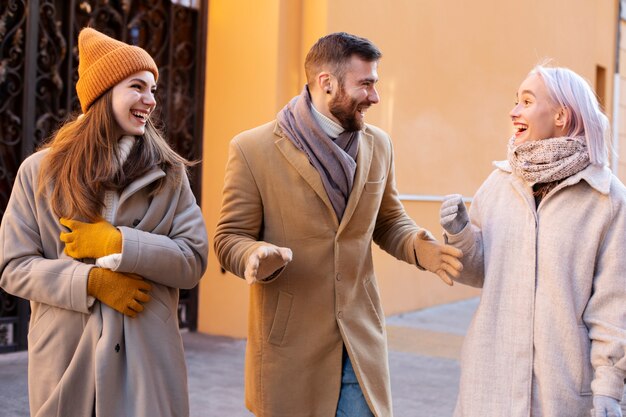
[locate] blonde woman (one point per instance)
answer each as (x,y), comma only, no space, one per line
(100,232)
(544,239)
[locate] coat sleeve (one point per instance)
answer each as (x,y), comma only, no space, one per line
(394,231)
(30,264)
(241,216)
(176,259)
(605,314)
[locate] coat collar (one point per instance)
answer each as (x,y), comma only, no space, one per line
(597,176)
(363,163)
(151,176)
(301,163)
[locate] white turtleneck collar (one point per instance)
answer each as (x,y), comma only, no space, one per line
(125,144)
(111,197)
(329,126)
(111,200)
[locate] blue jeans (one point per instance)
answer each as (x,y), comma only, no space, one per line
(351,400)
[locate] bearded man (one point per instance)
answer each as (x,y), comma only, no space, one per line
(304,197)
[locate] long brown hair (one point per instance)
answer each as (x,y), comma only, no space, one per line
(82,161)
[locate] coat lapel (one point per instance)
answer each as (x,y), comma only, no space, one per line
(363,163)
(300,162)
(518,184)
(151,176)
(526,193)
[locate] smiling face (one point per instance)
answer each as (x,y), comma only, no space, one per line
(535,115)
(133,101)
(355,94)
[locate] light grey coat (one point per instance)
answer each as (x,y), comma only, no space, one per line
(80,353)
(550,328)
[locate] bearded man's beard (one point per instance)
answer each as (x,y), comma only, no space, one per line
(344,108)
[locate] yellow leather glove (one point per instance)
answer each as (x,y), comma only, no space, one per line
(90,240)
(439,258)
(121,292)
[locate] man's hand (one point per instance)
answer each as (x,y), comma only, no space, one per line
(453,214)
(264,261)
(604,406)
(436,257)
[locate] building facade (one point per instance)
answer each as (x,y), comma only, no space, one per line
(448,78)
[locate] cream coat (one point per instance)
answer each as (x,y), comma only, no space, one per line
(327,295)
(77,353)
(550,328)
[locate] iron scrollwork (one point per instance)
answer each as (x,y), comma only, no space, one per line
(38,71)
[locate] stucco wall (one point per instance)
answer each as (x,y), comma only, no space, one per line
(447,82)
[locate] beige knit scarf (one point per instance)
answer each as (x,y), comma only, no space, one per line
(548,160)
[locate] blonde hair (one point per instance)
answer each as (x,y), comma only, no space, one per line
(573,92)
(82,162)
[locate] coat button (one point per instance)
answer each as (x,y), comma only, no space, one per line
(338,276)
(117,348)
(339,315)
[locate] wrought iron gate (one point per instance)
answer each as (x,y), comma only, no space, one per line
(38,71)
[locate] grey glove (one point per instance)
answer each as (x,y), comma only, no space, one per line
(453,214)
(604,406)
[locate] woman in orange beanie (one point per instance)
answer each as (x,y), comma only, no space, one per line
(100,232)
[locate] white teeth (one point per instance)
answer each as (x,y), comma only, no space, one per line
(140,115)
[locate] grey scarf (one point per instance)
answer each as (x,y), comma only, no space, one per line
(548,160)
(334,160)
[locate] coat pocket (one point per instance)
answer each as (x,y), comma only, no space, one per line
(158,308)
(40,324)
(374,187)
(586,372)
(374,299)
(281,318)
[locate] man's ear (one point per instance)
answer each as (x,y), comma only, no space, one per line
(324,82)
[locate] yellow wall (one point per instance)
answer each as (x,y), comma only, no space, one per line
(447,82)
(254,60)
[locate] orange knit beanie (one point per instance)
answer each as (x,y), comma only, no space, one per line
(104,62)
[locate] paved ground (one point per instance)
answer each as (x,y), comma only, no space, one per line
(424,351)
(424,348)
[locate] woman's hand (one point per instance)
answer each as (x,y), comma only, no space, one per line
(453,214)
(90,240)
(122,292)
(604,406)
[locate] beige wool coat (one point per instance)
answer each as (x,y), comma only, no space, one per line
(327,295)
(550,329)
(77,353)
